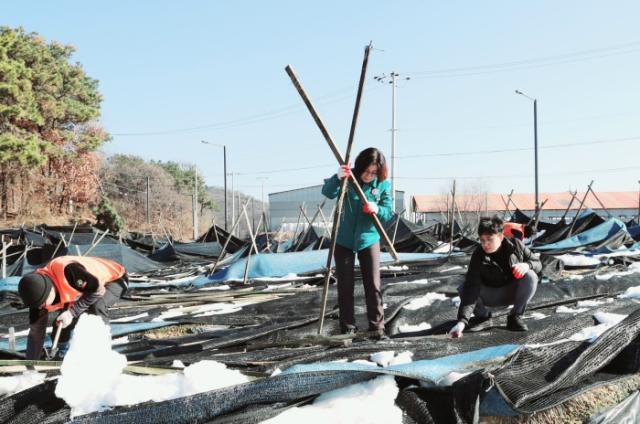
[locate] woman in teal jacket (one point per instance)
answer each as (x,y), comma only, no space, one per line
(358,235)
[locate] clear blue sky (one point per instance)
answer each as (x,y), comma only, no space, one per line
(174,73)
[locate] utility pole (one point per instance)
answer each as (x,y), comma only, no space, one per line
(233,202)
(262,180)
(195,203)
(393,76)
(148,211)
(224,149)
(535,142)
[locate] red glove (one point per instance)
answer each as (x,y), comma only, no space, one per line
(344,171)
(370,208)
(520,269)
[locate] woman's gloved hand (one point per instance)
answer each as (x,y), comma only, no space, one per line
(370,208)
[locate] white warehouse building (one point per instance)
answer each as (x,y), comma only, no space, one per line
(284,206)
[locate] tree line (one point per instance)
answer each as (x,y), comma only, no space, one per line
(51,170)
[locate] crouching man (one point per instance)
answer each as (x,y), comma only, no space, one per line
(70,285)
(501,272)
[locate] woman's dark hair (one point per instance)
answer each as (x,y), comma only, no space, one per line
(493,225)
(367,157)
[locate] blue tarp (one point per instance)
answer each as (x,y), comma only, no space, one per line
(430,370)
(596,235)
(9,284)
(282,264)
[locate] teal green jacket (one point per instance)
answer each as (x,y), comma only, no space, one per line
(357,230)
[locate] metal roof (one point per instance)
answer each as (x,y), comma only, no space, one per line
(526,201)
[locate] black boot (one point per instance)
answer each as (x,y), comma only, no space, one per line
(516,323)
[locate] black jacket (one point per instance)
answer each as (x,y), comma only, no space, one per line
(492,270)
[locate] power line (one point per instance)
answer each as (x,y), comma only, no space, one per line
(551,174)
(251,119)
(520,149)
(531,63)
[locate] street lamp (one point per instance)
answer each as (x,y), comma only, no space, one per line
(394,84)
(224,147)
(535,141)
(262,180)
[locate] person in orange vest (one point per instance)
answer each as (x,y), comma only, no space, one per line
(69,285)
(514,230)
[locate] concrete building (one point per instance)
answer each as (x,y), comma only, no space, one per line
(433,208)
(284,206)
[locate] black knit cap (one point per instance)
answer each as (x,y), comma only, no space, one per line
(34,289)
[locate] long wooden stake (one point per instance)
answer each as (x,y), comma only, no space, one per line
(246,267)
(601,204)
(575,218)
(343,186)
(453,217)
(340,159)
(95,244)
(226,242)
(573,197)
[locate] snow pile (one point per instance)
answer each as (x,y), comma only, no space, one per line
(578,260)
(95,384)
(371,402)
(456,301)
(606,320)
(18,383)
(408,328)
(423,301)
(631,293)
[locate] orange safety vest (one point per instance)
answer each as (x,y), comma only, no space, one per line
(510,227)
(104,270)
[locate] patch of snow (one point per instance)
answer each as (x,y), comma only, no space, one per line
(537,315)
(408,328)
(120,341)
(578,260)
(383,358)
(631,293)
(18,383)
(451,378)
(423,301)
(456,301)
(369,402)
(215,287)
(566,310)
(131,318)
(394,268)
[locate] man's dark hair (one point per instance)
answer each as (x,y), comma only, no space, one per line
(493,225)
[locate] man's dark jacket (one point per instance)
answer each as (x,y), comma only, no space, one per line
(493,270)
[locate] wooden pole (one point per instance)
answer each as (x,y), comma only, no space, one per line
(246,267)
(95,244)
(249,227)
(453,217)
(340,159)
(395,227)
(601,204)
(573,222)
(226,242)
(573,197)
(344,184)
